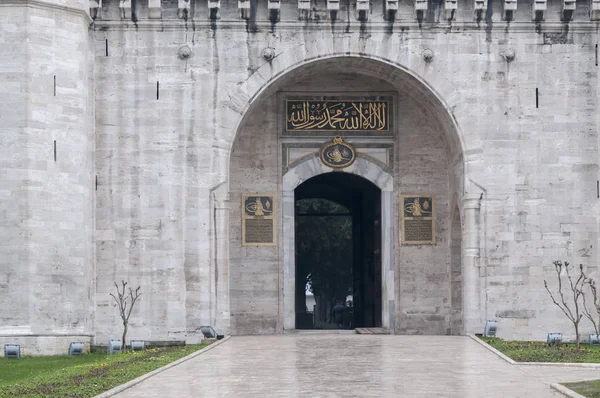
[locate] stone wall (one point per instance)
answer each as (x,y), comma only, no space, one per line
(520,141)
(46,176)
(491,101)
(255,270)
(423,271)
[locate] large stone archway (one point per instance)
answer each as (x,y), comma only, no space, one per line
(427,155)
(434,89)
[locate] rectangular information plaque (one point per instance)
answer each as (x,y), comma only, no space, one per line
(337,115)
(258,220)
(418,220)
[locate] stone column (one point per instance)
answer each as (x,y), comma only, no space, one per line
(470,266)
(289,259)
(387,261)
(220,315)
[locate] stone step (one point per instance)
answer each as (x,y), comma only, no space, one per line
(372,331)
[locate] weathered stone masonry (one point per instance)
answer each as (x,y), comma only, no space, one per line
(162,117)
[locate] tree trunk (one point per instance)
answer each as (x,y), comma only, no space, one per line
(577,335)
(124,335)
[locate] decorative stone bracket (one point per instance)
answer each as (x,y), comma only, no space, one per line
(568,10)
(244,9)
(391,8)
(480,5)
(303,9)
(510,6)
(214,6)
(95,8)
(125,7)
(183,8)
(420,5)
(274,10)
(303,4)
(450,7)
(539,8)
(333,5)
(154,9)
(362,10)
(595,10)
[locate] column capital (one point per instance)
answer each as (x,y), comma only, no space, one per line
(472,202)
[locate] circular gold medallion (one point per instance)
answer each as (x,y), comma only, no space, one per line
(337,153)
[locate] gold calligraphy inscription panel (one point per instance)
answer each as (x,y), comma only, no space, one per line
(258,220)
(418,220)
(337,115)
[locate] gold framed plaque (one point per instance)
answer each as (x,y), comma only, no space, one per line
(418,220)
(258,220)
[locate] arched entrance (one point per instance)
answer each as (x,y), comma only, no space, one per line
(372,255)
(419,155)
(338,252)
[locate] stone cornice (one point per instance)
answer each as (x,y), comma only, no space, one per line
(47,6)
(345,28)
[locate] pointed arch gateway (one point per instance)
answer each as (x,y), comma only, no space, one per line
(422,154)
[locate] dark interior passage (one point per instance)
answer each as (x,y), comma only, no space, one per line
(338,252)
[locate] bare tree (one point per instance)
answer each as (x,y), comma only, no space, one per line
(122,302)
(595,319)
(574,315)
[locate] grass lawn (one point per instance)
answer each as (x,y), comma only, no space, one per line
(539,351)
(590,389)
(83,376)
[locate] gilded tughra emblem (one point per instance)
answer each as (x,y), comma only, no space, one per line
(337,153)
(258,206)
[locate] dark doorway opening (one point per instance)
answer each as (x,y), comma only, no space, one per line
(338,252)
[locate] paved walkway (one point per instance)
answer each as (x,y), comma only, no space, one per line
(354,366)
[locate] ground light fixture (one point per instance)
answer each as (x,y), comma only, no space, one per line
(75,348)
(210,333)
(554,338)
(137,345)
(12,351)
(593,339)
(491,326)
(114,346)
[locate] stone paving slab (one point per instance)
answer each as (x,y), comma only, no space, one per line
(354,366)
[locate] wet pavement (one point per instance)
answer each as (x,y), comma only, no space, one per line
(350,365)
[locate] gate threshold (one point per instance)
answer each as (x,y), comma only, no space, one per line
(319,331)
(372,331)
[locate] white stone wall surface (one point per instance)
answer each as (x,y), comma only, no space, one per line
(47,176)
(512,146)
